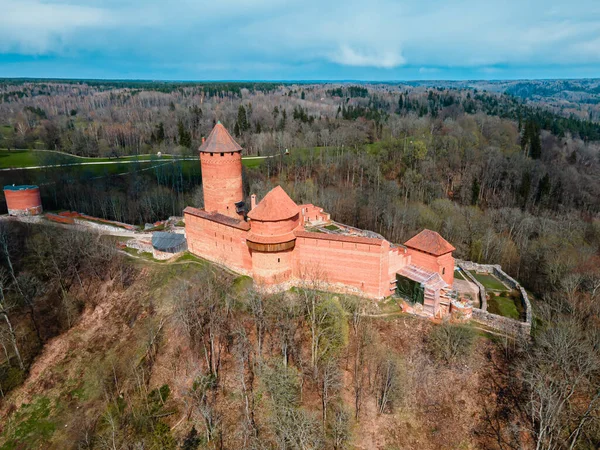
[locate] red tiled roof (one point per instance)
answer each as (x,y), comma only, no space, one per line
(220,141)
(430,242)
(276,205)
(217,217)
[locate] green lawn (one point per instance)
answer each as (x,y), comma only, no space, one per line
(18,158)
(504,306)
(489,281)
(187,256)
(31,158)
(252,163)
(332,227)
(458,275)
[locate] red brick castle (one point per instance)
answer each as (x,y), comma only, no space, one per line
(279,243)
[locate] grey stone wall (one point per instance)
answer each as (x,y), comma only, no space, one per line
(514,284)
(98,226)
(466,266)
(511,326)
(503,324)
(139,245)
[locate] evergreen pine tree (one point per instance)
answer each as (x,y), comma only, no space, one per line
(475,189)
(535,150)
(160,133)
(185,139)
(242,120)
(543,189)
(524,188)
(400,104)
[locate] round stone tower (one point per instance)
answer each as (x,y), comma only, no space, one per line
(271,239)
(23,200)
(221,163)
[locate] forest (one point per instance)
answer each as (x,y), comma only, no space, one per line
(213,364)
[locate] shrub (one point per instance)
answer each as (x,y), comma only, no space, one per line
(450,343)
(10,378)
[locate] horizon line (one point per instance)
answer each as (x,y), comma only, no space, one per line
(300,81)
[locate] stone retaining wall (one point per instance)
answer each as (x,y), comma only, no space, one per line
(514,284)
(139,245)
(501,323)
(482,292)
(157,254)
(98,226)
(512,326)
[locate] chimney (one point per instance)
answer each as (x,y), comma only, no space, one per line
(203,139)
(252,202)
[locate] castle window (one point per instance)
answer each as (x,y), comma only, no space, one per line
(443,270)
(278,259)
(222,154)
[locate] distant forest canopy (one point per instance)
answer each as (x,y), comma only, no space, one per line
(111,118)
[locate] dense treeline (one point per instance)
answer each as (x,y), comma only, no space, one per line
(117,118)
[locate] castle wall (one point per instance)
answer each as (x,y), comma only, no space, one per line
(398,258)
(217,242)
(444,265)
(222,182)
(358,263)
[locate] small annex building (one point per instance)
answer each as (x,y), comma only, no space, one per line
(23,200)
(167,245)
(281,244)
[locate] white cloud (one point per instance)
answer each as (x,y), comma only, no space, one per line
(380,58)
(36,27)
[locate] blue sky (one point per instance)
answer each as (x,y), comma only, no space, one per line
(300,40)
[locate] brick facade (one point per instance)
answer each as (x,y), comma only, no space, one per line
(444,264)
(222,182)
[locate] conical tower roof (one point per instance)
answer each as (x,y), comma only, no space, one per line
(430,242)
(220,141)
(276,205)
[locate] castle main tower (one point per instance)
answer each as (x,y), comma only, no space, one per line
(221,163)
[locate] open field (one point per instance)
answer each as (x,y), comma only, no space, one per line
(505,306)
(31,158)
(489,281)
(16,159)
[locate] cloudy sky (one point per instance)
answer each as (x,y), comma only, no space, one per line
(300,40)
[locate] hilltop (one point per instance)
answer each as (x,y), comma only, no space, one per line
(133,368)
